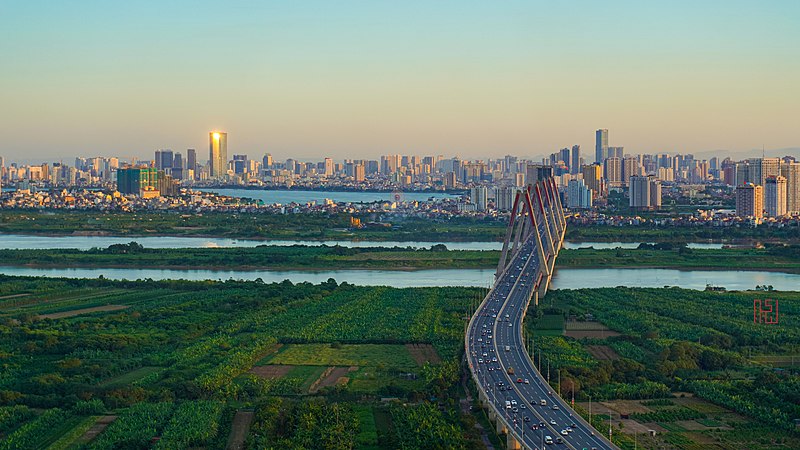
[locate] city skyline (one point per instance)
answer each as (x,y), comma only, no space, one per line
(355,80)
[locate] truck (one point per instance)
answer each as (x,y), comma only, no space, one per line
(510,370)
(508,348)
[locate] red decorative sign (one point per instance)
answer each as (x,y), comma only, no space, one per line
(765,311)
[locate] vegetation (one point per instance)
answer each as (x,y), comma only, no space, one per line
(671,341)
(650,232)
(178,358)
(305,226)
(301,257)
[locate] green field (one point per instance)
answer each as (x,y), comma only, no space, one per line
(175,363)
(300,257)
(701,350)
(395,356)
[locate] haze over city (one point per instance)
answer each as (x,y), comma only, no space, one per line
(356,79)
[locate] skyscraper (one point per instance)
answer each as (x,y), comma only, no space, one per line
(749,201)
(592,177)
(791,171)
(191,161)
(613,172)
(218,153)
(479,196)
(579,196)
(645,193)
(164,159)
(775,196)
(575,164)
(600,145)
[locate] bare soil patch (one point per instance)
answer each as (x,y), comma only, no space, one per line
(271,371)
(627,406)
(602,352)
(77,312)
(332,377)
(239,429)
(97,428)
(422,353)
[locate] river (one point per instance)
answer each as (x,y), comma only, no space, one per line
(31,242)
(563,279)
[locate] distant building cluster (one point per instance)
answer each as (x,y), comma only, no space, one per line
(760,186)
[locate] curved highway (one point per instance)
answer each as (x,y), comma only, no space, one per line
(524,402)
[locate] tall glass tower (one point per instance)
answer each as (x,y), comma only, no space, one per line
(218,153)
(601,146)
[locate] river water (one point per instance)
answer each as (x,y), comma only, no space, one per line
(563,279)
(25,242)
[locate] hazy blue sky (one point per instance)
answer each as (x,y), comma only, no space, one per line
(362,78)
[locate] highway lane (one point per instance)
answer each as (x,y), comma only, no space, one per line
(486,340)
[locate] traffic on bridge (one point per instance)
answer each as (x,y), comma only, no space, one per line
(519,400)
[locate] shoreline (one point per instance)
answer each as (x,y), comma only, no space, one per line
(246,268)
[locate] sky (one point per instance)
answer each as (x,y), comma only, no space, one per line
(357,79)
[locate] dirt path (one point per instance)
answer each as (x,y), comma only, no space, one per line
(96,429)
(239,429)
(331,377)
(77,312)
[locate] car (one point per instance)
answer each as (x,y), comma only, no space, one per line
(542,424)
(526,419)
(552,422)
(494,359)
(523,406)
(555,408)
(513,402)
(559,440)
(569,429)
(519,380)
(564,433)
(574,426)
(480,360)
(511,324)
(527,381)
(515,410)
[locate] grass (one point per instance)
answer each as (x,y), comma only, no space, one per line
(68,439)
(129,377)
(386,355)
(367,438)
(309,374)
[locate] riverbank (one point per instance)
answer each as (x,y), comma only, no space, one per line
(321,258)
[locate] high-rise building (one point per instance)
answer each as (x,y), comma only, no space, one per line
(266,162)
(775,196)
(359,173)
(239,164)
(218,153)
(791,171)
(749,200)
(593,178)
(504,198)
(761,168)
(579,196)
(191,161)
(645,193)
(537,172)
(164,159)
(616,152)
(575,164)
(138,180)
(177,167)
(600,145)
(613,172)
(630,168)
(328,167)
(480,197)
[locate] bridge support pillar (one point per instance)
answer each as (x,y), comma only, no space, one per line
(512,444)
(483,399)
(492,416)
(501,428)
